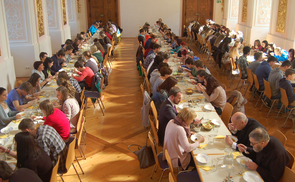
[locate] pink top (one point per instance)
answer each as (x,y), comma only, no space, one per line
(177,145)
(59,122)
(86,74)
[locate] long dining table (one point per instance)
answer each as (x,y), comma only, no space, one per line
(213,170)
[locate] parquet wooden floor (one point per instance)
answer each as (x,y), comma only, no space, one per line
(107,138)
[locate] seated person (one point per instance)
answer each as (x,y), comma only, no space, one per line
(162,92)
(286,85)
(96,53)
(155,64)
(16,97)
(257,46)
(214,93)
(258,59)
(68,105)
(6,115)
(271,156)
(156,73)
(38,68)
(241,126)
(188,64)
(168,111)
(87,55)
(281,54)
(85,75)
(67,42)
(22,174)
(89,64)
(165,73)
(34,80)
(69,53)
(176,138)
(148,42)
(264,45)
(242,61)
(58,60)
(151,56)
(48,72)
(140,36)
(198,65)
(77,44)
(72,81)
(48,139)
(275,75)
(94,28)
(43,56)
(30,155)
(99,46)
(263,70)
(55,118)
(201,74)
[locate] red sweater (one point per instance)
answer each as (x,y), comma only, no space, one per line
(59,122)
(86,74)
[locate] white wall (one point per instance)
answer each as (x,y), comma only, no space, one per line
(217,13)
(134,13)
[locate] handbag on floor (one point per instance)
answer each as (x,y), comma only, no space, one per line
(144,154)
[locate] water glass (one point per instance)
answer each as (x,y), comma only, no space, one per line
(215,130)
(210,141)
(214,163)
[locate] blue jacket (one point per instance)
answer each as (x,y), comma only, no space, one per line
(283,57)
(93,30)
(262,72)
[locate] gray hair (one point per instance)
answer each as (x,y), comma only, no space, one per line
(174,90)
(241,117)
(259,135)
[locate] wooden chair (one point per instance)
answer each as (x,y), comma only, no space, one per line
(54,171)
(79,135)
(234,71)
(267,93)
(154,130)
(142,90)
(279,135)
(18,83)
(256,84)
(171,178)
(226,113)
(169,162)
(70,159)
(285,101)
(155,114)
(160,164)
(209,50)
(288,175)
(82,96)
(250,80)
(292,158)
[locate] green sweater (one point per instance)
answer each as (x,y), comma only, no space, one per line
(98,55)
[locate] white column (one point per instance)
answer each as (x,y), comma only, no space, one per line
(282,24)
(7,73)
(27,32)
(254,19)
(73,17)
(231,14)
(58,23)
(82,14)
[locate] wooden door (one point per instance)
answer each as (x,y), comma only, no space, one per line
(198,10)
(103,10)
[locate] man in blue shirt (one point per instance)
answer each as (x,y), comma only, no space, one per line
(94,28)
(286,85)
(263,70)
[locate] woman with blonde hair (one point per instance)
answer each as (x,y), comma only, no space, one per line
(97,53)
(69,105)
(234,51)
(176,138)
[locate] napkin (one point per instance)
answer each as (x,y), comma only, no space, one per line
(3,136)
(206,168)
(16,121)
(52,86)
(41,96)
(31,107)
(201,146)
(183,101)
(236,154)
(219,137)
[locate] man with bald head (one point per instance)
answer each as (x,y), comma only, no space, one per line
(241,127)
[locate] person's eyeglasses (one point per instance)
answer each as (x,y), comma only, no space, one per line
(251,143)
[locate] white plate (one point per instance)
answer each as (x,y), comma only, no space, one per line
(215,122)
(251,177)
(203,158)
(195,136)
(243,160)
(209,107)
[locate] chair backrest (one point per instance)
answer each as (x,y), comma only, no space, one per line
(171,178)
(82,97)
(155,113)
(279,135)
(267,90)
(18,83)
(288,175)
(169,162)
(154,130)
(209,45)
(152,143)
(142,90)
(240,73)
(54,171)
(80,132)
(226,113)
(101,86)
(71,153)
(250,76)
(147,82)
(291,163)
(256,83)
(80,118)
(95,59)
(284,97)
(232,63)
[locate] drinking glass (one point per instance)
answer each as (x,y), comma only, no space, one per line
(215,130)
(214,163)
(210,141)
